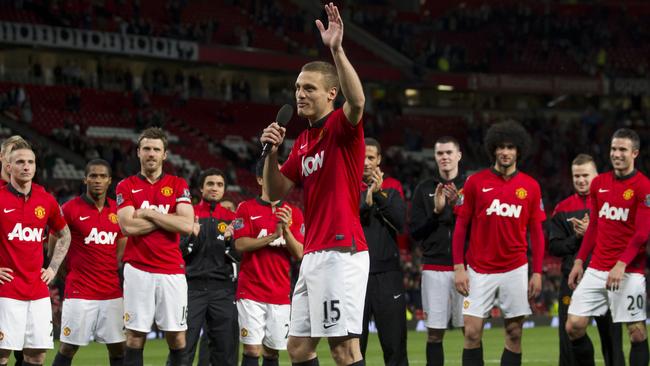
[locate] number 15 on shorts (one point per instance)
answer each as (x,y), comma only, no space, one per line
(331,313)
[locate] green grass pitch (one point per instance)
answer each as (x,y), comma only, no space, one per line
(540,348)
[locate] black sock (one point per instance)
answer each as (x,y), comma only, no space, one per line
(583,351)
(473,357)
(270,361)
(509,358)
(176,357)
(61,360)
(31,364)
(132,356)
(116,361)
(312,362)
(250,361)
(639,353)
(435,354)
(358,363)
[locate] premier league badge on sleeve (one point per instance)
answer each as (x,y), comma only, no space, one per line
(119,199)
(238,224)
(647,200)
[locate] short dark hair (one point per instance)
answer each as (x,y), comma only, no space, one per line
(582,159)
(507,131)
(328,71)
(373,142)
(626,133)
(446,140)
(154,133)
(98,162)
(209,172)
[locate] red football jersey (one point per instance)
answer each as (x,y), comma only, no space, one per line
(158,251)
(617,202)
(92,258)
(3,183)
(327,160)
(21,247)
(500,211)
(264,273)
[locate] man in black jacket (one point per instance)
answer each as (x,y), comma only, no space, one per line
(382,214)
(432,224)
(210,275)
(566,229)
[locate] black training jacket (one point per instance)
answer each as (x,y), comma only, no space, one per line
(381,223)
(562,238)
(433,231)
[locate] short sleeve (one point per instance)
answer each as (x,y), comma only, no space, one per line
(241,223)
(291,167)
(297,224)
(465,204)
(123,196)
(537,213)
(343,129)
(55,221)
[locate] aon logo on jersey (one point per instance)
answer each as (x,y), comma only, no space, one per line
(163,209)
(100,237)
(275,243)
(25,234)
(613,213)
(504,209)
(311,164)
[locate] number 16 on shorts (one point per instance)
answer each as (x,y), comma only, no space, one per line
(331,313)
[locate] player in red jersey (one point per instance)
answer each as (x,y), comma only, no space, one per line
(501,204)
(25,309)
(567,227)
(619,225)
(5,149)
(269,234)
(327,160)
(93,305)
(153,209)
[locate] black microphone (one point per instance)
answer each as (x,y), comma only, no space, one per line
(283,117)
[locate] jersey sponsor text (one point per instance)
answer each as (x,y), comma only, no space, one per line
(504,209)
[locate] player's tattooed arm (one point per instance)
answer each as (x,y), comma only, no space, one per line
(60,250)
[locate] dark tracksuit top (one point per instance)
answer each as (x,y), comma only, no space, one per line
(385,300)
(211,287)
(564,243)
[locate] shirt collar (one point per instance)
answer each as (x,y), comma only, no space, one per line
(17,193)
(88,200)
(625,176)
(321,122)
(506,177)
(141,176)
(266,203)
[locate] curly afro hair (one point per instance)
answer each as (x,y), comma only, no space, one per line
(507,131)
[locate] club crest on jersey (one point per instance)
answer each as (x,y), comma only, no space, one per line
(100,237)
(613,213)
(504,209)
(167,191)
(628,194)
(39,211)
(222,227)
(311,164)
(238,224)
(521,193)
(25,234)
(164,209)
(112,218)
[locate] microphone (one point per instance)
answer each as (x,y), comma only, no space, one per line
(282,118)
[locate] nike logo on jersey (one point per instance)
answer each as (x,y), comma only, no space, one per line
(600,190)
(396,296)
(325,326)
(84,218)
(486,189)
(135,190)
(432,194)
(303,146)
(9,210)
(255,217)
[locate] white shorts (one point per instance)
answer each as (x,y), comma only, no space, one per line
(262,323)
(330,294)
(158,297)
(440,300)
(25,324)
(101,320)
(508,289)
(627,304)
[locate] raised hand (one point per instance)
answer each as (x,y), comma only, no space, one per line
(274,135)
(333,35)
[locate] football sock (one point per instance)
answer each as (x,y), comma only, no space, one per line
(583,351)
(176,357)
(270,362)
(116,361)
(250,361)
(639,353)
(473,357)
(358,363)
(61,360)
(132,356)
(31,364)
(509,358)
(435,354)
(312,362)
